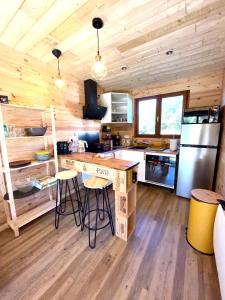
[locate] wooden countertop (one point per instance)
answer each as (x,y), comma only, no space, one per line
(113,163)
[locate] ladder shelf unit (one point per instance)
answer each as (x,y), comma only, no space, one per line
(16,221)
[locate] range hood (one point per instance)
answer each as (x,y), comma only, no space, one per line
(92,110)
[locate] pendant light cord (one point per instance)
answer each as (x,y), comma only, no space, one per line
(98,41)
(58,68)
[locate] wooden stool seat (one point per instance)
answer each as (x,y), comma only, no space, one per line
(65,175)
(96,183)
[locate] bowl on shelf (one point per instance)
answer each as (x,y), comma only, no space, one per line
(24,185)
(38,131)
(42,155)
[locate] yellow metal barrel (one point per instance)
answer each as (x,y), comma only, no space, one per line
(203,207)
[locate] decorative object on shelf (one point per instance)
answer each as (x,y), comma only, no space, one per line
(19,195)
(58,81)
(42,155)
(19,163)
(39,131)
(4,99)
(44,182)
(6,130)
(24,185)
(99,69)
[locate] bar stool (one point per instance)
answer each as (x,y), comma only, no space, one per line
(61,203)
(99,185)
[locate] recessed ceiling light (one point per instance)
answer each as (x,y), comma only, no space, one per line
(124,68)
(169,52)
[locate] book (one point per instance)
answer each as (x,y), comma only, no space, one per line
(44,182)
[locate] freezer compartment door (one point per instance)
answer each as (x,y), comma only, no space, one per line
(200,134)
(196,169)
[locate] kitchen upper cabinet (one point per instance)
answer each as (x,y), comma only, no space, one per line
(134,156)
(119,107)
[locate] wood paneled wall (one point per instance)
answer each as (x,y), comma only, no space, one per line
(220,181)
(29,82)
(205,90)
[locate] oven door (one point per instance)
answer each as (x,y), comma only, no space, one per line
(160,170)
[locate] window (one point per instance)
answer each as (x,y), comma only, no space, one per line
(160,116)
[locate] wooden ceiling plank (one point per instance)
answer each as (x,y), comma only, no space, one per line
(8,10)
(54,16)
(35,9)
(189,19)
(19,25)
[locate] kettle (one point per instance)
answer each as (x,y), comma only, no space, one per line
(81,145)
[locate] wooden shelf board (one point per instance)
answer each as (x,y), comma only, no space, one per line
(35,213)
(33,164)
(27,137)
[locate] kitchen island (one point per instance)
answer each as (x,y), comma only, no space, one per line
(123,175)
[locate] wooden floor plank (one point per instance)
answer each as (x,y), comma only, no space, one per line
(156,263)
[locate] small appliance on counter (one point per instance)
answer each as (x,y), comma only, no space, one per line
(63,147)
(82,145)
(116,140)
(126,141)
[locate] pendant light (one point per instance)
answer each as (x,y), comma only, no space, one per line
(59,83)
(99,69)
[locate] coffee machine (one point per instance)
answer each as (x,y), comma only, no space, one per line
(116,140)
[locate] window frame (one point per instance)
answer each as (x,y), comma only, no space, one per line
(158,98)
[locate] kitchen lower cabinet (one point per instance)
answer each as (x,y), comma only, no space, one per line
(134,156)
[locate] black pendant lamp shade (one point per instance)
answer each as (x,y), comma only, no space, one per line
(57,53)
(97,23)
(58,82)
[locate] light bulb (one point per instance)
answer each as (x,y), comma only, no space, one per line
(99,69)
(59,83)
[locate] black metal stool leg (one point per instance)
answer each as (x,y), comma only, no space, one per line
(63,203)
(78,200)
(97,195)
(71,200)
(109,210)
(93,244)
(85,207)
(57,205)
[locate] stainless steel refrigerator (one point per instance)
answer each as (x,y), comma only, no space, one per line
(197,159)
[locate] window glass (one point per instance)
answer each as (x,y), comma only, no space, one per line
(171,114)
(147,116)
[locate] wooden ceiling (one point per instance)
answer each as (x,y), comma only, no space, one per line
(136,34)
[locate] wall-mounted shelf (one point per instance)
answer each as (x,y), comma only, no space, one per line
(119,107)
(6,184)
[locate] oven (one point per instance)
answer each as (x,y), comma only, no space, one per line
(160,169)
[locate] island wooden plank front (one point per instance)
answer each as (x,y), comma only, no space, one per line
(124,177)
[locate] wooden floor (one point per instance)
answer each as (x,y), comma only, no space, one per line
(157,263)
